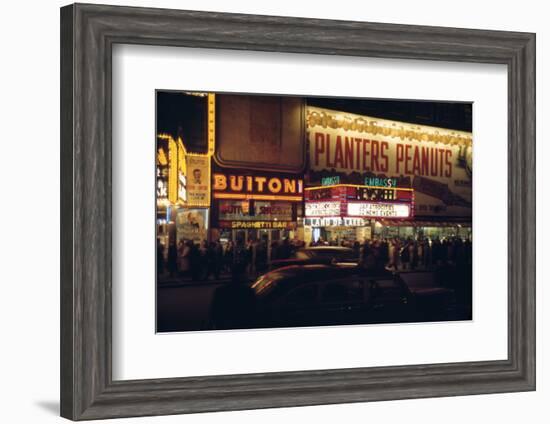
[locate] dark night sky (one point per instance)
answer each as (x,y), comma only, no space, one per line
(451,115)
(185,114)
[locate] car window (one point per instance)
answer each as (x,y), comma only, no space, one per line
(342,291)
(348,255)
(321,253)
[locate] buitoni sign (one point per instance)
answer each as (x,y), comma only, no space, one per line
(256,186)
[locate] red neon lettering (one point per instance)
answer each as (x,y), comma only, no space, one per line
(319,146)
(440,160)
(425,161)
(398,157)
(433,162)
(416,161)
(374,156)
(348,157)
(407,158)
(358,155)
(366,153)
(448,162)
(338,154)
(327,156)
(384,155)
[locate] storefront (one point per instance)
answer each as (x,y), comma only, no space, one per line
(382,162)
(182,193)
(345,213)
(254,205)
(422,229)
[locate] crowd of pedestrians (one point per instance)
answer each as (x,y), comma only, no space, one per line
(410,254)
(192,260)
(201,262)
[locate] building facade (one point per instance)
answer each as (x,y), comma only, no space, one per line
(274,167)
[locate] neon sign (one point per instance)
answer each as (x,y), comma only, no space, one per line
(259,187)
(258,225)
(379,210)
(381,182)
(322,209)
(326,181)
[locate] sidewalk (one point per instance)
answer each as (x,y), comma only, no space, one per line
(169,282)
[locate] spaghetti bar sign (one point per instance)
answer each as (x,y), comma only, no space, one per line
(379,210)
(258,225)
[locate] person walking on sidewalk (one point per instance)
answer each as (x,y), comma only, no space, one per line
(228,256)
(160,258)
(240,261)
(194,261)
(183,253)
(214,259)
(172,259)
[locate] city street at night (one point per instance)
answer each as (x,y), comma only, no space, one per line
(289,211)
(184,305)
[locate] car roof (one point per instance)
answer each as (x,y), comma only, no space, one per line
(291,271)
(300,274)
(327,248)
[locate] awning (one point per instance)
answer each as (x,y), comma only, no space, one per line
(422,223)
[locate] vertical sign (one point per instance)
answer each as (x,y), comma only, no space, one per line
(173,171)
(198,180)
(182,172)
(162,171)
(211,123)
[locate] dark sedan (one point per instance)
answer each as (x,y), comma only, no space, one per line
(314,295)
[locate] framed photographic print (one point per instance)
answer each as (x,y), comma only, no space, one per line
(263,212)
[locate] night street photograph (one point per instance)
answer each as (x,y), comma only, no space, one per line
(290,211)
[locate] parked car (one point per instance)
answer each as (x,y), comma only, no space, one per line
(318,255)
(313,295)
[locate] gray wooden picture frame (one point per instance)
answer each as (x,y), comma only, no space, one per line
(88,33)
